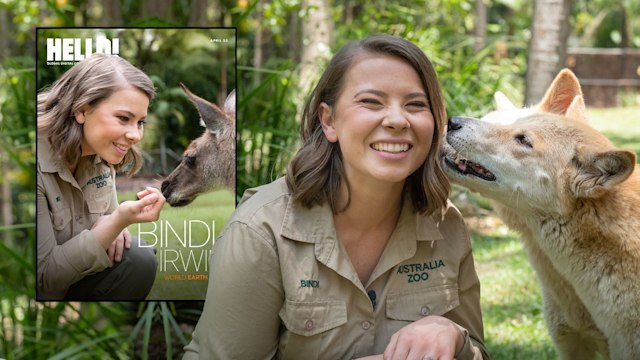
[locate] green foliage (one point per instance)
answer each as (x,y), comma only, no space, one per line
(606,24)
(17,113)
(267,136)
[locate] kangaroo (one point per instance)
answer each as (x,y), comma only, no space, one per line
(209,161)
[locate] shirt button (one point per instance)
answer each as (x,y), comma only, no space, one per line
(309,325)
(366,325)
(425,310)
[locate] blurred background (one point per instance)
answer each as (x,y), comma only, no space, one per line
(477,46)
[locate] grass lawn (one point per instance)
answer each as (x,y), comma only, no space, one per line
(620,125)
(511,300)
(183,238)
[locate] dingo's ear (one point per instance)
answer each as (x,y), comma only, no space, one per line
(598,173)
(576,109)
(503,102)
(561,93)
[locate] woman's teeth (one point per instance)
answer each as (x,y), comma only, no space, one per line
(390,148)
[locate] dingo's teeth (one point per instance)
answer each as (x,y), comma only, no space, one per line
(468,167)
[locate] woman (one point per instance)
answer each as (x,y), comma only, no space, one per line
(89,122)
(357,252)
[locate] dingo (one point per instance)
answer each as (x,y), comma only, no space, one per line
(575,199)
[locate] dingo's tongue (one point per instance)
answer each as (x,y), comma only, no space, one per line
(461,163)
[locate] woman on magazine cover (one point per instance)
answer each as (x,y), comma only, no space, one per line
(89,122)
(357,251)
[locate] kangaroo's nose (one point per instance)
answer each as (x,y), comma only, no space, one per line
(455,123)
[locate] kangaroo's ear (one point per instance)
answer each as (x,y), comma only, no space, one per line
(561,93)
(230,105)
(599,172)
(214,119)
(503,102)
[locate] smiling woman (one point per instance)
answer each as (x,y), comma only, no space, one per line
(356,252)
(89,122)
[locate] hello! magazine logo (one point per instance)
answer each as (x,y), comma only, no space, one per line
(68,51)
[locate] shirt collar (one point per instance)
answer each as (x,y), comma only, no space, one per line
(316,224)
(49,161)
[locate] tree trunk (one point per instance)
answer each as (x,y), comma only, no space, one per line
(4,33)
(111,14)
(257,45)
(547,47)
(6,201)
(480,26)
(317,29)
(159,9)
(198,14)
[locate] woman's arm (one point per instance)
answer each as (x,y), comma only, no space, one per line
(59,266)
(240,317)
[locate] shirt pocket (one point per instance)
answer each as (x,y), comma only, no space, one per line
(310,318)
(99,202)
(415,304)
(310,325)
(60,218)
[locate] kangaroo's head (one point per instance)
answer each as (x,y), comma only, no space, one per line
(208,162)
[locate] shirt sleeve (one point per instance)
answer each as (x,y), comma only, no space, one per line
(59,266)
(240,317)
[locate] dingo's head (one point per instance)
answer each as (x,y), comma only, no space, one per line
(535,159)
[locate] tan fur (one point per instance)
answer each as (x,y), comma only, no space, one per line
(575,199)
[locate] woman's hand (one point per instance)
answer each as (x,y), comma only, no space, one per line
(146,209)
(123,241)
(433,337)
(111,230)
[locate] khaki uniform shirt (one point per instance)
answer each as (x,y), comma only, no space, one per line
(282,286)
(67,207)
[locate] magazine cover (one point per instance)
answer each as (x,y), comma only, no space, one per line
(135,160)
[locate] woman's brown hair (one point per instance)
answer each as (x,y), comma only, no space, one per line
(316,172)
(87,83)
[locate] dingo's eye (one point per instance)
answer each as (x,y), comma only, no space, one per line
(523,140)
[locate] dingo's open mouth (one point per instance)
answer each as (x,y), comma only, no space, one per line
(468,167)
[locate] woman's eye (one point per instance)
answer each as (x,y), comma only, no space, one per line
(524,140)
(123,118)
(141,123)
(417,104)
(370,101)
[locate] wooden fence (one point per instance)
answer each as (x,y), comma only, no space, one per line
(605,74)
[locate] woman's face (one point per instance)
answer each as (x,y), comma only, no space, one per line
(382,121)
(116,124)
